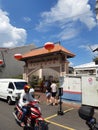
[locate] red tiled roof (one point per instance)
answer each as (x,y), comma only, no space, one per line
(42,51)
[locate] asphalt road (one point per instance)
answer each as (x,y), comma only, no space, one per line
(69,121)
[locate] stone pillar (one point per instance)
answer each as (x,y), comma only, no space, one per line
(67,67)
(25,77)
(40,74)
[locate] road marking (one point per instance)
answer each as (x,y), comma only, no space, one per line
(47,118)
(63,126)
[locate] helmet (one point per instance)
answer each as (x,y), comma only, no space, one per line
(26,88)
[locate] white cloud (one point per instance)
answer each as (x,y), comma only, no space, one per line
(73,9)
(68,32)
(71,64)
(65,11)
(27,19)
(10,36)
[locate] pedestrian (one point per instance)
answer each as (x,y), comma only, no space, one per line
(48,92)
(42,86)
(54,93)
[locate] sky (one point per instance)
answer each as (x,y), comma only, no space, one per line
(71,22)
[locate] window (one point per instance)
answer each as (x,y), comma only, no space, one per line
(11,86)
(20,85)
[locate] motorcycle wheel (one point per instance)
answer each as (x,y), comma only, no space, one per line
(42,125)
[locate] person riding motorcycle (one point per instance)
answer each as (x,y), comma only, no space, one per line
(25,98)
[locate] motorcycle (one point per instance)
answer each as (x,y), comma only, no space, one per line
(87,114)
(33,119)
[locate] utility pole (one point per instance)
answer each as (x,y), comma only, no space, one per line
(96,9)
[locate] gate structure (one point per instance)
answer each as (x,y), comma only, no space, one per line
(40,58)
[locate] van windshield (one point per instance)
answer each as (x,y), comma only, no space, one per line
(20,85)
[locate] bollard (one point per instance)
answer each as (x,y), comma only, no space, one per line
(60,112)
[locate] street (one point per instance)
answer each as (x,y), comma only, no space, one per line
(69,121)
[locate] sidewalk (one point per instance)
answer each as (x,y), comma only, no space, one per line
(66,103)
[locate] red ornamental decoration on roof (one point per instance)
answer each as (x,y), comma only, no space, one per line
(49,46)
(18,56)
(1,62)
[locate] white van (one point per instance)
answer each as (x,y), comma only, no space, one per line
(10,89)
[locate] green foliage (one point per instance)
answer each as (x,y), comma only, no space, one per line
(95,60)
(34,81)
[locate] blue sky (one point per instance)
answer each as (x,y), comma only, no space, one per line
(72,22)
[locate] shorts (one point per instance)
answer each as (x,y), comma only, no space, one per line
(54,94)
(48,94)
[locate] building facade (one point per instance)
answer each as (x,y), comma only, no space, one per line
(43,60)
(11,67)
(88,68)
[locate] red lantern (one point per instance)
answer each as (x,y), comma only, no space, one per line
(49,46)
(18,56)
(1,62)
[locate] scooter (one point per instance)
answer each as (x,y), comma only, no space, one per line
(87,114)
(33,119)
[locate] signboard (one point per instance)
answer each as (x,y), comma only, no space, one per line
(71,88)
(89,91)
